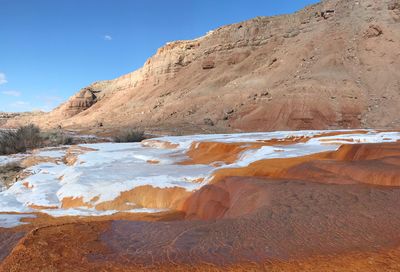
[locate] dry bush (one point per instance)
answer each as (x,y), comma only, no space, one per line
(8,174)
(24,138)
(129,136)
(55,138)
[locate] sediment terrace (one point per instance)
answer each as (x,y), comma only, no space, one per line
(278,201)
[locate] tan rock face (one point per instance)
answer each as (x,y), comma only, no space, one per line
(80,102)
(332,65)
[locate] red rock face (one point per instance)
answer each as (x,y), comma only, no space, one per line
(331,65)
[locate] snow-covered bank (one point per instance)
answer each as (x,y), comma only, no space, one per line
(100,173)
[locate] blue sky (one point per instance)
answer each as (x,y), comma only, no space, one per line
(49,49)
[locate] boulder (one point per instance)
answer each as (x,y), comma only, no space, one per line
(373,31)
(208,64)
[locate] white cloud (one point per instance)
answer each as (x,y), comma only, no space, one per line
(107,38)
(20,104)
(11,93)
(3,79)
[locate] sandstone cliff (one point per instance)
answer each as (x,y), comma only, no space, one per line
(335,64)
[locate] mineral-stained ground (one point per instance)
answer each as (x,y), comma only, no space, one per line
(326,211)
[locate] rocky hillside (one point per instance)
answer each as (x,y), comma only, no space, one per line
(6,116)
(335,64)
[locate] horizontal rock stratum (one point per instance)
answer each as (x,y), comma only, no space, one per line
(332,65)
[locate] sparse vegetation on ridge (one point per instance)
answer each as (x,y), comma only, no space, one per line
(30,137)
(54,138)
(129,136)
(20,140)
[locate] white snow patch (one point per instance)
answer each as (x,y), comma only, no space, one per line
(186,141)
(112,168)
(11,158)
(13,220)
(57,153)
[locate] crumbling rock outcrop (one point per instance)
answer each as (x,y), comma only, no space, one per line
(394,8)
(394,5)
(208,64)
(80,102)
(373,31)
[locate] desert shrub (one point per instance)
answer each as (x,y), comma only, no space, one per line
(24,138)
(11,166)
(29,136)
(55,138)
(67,140)
(9,143)
(129,136)
(8,174)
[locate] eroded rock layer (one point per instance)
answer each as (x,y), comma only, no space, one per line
(331,65)
(263,224)
(377,164)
